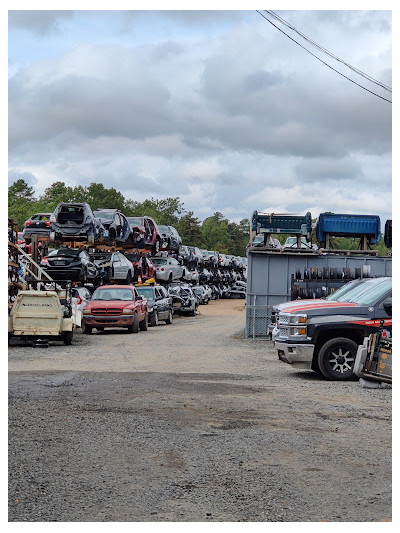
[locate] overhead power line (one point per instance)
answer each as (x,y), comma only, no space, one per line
(321,49)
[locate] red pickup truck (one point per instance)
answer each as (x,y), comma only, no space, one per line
(115,306)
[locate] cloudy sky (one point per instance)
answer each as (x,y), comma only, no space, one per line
(219,108)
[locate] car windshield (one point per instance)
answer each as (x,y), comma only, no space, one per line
(104,214)
(372,293)
(135,222)
(165,229)
(258,238)
(64,251)
(113,294)
(343,289)
(146,292)
(159,261)
(368,292)
(197,290)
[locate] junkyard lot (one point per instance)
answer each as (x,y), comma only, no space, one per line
(190,422)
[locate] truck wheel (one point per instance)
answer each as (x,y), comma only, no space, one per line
(87,330)
(169,319)
(143,324)
(67,336)
(134,328)
(154,319)
(336,359)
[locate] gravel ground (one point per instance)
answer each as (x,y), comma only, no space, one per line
(190,422)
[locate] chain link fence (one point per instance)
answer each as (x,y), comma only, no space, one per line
(258,321)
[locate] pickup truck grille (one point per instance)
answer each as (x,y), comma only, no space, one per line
(283,319)
(107,312)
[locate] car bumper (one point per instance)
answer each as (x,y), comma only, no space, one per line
(64,273)
(109,321)
(70,231)
(42,232)
(297,355)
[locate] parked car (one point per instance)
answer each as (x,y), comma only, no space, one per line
(143,266)
(291,242)
(170,238)
(37,224)
(204,275)
(187,255)
(145,233)
(210,258)
(203,295)
(223,261)
(198,256)
(114,266)
(190,303)
(168,269)
(159,303)
(191,275)
(70,264)
(324,335)
(81,296)
(116,227)
(115,306)
(76,222)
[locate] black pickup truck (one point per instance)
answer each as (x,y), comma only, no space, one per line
(323,335)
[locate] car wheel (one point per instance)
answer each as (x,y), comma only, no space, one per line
(169,319)
(134,328)
(100,328)
(183,274)
(170,278)
(154,319)
(128,280)
(143,324)
(87,330)
(336,359)
(67,336)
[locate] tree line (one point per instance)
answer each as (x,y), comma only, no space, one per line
(214,233)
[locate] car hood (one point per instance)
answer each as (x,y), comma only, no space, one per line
(322,307)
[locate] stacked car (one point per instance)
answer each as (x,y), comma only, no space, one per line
(138,272)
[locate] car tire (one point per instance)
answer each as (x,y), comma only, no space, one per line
(336,359)
(183,275)
(144,323)
(87,330)
(169,319)
(134,327)
(154,319)
(67,337)
(170,278)
(128,280)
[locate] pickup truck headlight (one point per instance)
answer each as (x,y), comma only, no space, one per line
(86,312)
(298,319)
(127,311)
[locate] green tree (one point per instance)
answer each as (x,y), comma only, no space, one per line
(215,233)
(97,196)
(190,230)
(21,202)
(53,195)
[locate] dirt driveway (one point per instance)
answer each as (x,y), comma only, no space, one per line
(189,422)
